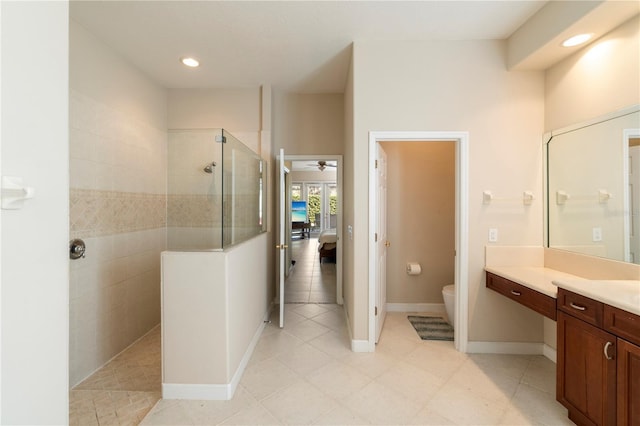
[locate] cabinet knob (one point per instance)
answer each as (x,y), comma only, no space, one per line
(606,350)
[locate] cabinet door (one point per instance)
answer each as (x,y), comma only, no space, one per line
(586,382)
(628,383)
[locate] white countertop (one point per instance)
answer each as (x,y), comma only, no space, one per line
(536,278)
(623,294)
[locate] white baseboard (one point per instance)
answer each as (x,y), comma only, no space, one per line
(360,346)
(216,392)
(416,307)
(515,348)
(550,353)
(194,391)
(357,345)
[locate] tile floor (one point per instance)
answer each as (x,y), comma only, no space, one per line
(306,374)
(309,281)
(123,391)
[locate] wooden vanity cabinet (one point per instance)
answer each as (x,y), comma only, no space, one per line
(598,363)
(586,379)
(541,303)
(628,364)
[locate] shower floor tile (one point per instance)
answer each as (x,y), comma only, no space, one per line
(124,390)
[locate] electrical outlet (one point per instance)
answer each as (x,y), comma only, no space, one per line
(493,235)
(597,234)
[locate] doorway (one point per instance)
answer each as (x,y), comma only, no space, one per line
(312,192)
(461,228)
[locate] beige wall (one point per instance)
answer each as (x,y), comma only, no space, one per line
(118,172)
(420,219)
(308,123)
(235,110)
(324,176)
(453,86)
(91,58)
(596,80)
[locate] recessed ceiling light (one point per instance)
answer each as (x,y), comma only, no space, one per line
(576,40)
(190,62)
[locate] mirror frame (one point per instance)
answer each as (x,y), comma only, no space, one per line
(547,137)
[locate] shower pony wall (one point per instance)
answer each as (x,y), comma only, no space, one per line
(214,272)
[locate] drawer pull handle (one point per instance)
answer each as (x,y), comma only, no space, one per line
(515,293)
(606,350)
(578,307)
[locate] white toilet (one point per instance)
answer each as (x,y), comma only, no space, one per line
(449,296)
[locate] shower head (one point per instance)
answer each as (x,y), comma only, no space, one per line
(209,167)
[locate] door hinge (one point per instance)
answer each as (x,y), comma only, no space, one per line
(376,164)
(375,237)
(376,310)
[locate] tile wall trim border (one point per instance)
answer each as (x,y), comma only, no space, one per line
(98,213)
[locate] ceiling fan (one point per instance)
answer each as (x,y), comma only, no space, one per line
(322,165)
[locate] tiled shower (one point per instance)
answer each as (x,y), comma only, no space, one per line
(135,191)
(117,199)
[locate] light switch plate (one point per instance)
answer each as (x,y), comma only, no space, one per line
(493,235)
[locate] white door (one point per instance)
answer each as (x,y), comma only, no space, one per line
(381,239)
(281,247)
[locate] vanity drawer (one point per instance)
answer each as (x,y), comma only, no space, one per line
(622,323)
(581,307)
(541,303)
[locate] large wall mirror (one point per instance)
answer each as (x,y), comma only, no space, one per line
(593,187)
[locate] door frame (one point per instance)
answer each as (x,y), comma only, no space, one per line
(461,140)
(339,173)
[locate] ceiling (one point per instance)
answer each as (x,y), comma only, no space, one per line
(301,46)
